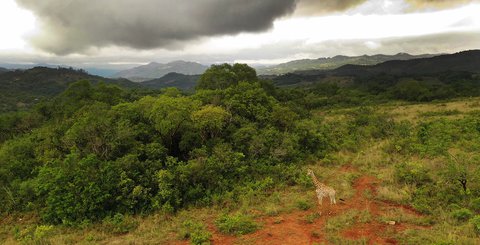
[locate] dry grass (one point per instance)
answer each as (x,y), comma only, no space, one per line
(414,112)
(400,216)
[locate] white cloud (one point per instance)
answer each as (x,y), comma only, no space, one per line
(15,24)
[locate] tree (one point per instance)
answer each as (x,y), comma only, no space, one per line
(210,120)
(226,75)
(171,118)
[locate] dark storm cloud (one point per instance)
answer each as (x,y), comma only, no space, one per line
(69,26)
(80,26)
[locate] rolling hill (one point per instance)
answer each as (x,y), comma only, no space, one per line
(21,88)
(173,79)
(2,70)
(155,70)
(334,62)
(467,61)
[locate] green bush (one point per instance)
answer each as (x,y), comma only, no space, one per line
(195,231)
(476,223)
(312,217)
(201,237)
(476,205)
(236,224)
(462,214)
(413,173)
(34,234)
(303,205)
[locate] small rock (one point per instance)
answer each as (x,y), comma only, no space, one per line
(391,222)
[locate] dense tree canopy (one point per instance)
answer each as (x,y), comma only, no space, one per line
(226,75)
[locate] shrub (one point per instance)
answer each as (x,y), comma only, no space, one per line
(476,223)
(476,205)
(42,231)
(34,234)
(236,224)
(303,205)
(312,217)
(197,232)
(412,173)
(462,214)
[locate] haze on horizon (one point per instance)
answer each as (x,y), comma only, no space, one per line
(125,33)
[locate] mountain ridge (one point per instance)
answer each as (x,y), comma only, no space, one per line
(329,63)
(173,79)
(154,70)
(465,61)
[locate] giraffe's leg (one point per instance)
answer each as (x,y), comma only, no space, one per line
(332,198)
(320,199)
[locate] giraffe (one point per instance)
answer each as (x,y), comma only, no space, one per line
(322,190)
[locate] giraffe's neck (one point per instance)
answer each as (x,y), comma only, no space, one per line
(317,183)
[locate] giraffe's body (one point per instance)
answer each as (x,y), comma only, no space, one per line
(322,190)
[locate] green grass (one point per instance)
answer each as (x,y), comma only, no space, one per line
(311,218)
(347,219)
(400,216)
(236,224)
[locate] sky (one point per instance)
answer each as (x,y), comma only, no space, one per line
(124,33)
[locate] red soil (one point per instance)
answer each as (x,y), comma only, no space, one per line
(292,228)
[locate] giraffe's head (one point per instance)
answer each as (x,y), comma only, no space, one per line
(309,172)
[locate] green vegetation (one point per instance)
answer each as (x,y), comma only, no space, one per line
(99,161)
(236,224)
(194,231)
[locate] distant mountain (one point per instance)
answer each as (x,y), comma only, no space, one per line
(12,66)
(173,79)
(156,70)
(91,70)
(466,61)
(101,72)
(21,88)
(3,69)
(334,62)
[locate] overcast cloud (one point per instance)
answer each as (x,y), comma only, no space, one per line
(69,26)
(120,33)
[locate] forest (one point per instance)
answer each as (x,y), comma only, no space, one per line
(100,161)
